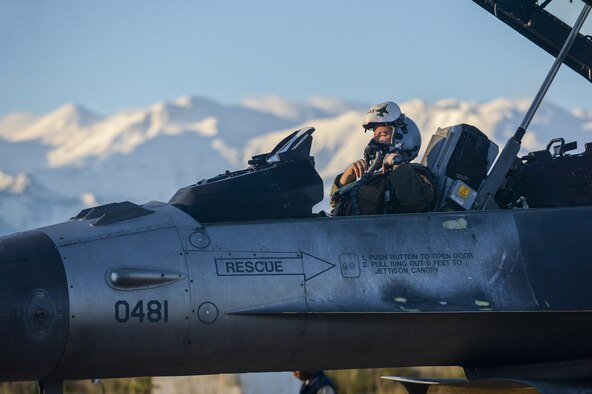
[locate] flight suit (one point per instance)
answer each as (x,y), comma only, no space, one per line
(409,189)
(318,383)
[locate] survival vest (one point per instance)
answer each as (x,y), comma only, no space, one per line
(371,195)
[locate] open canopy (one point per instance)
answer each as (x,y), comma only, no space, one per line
(547,23)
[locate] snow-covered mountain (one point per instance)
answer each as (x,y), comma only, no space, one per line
(25,203)
(68,122)
(339,140)
(56,164)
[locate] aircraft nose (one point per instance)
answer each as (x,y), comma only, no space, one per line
(33,306)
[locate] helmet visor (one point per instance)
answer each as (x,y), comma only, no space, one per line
(379,127)
(385,134)
(382,133)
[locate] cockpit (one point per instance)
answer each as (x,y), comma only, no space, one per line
(284,184)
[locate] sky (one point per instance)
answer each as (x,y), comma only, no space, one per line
(109,55)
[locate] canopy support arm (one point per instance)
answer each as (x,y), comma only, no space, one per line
(484,199)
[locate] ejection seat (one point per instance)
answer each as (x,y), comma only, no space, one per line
(459,157)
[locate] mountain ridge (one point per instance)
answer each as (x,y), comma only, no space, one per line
(148,153)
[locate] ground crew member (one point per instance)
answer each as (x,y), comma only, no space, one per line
(315,382)
(398,186)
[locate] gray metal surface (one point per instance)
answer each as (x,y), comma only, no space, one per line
(33,306)
(555,67)
(128,290)
(469,289)
(490,186)
(437,158)
(545,28)
(124,329)
(499,171)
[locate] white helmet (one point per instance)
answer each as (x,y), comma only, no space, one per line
(383,113)
(406,138)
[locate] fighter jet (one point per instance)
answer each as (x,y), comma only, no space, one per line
(237,274)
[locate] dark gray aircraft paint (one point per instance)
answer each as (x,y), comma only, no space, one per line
(33,306)
(236,274)
(475,289)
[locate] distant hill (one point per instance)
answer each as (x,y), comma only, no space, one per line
(56,164)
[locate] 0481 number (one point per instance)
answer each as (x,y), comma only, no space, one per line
(153,311)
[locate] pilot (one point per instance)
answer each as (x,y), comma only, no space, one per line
(315,382)
(397,186)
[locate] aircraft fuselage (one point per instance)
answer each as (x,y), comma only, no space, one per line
(161,294)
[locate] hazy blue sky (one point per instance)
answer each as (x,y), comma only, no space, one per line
(107,55)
